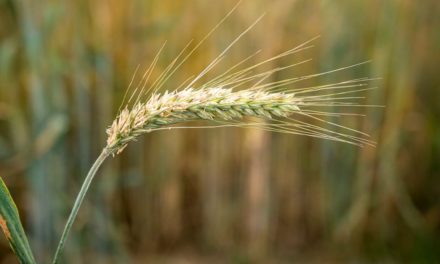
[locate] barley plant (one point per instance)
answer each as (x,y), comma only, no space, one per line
(241,96)
(234,98)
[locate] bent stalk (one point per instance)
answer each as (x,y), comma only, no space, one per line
(79,199)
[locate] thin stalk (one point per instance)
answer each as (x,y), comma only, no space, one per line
(79,199)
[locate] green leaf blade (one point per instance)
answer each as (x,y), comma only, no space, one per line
(12,228)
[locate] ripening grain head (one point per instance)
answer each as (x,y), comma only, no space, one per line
(228,107)
(234,95)
(216,104)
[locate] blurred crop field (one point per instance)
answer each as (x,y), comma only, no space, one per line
(224,195)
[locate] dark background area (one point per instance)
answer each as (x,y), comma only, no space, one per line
(226,195)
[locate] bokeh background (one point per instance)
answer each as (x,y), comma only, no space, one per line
(225,195)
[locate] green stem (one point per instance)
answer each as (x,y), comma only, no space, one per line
(79,199)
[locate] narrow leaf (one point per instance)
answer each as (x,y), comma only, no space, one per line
(12,228)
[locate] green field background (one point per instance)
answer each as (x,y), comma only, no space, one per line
(226,195)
